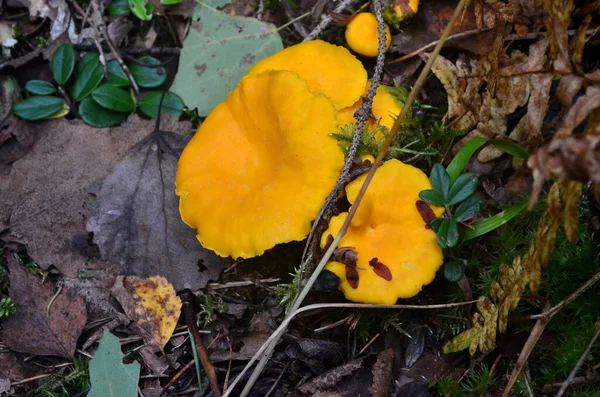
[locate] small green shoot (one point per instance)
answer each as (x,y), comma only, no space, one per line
(7,307)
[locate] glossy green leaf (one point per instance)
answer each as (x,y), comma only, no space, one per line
(217,53)
(447,233)
(148,77)
(511,148)
(113,98)
(118,7)
(440,180)
(462,188)
(487,225)
(432,197)
(467,208)
(86,60)
(461,158)
(453,271)
(141,9)
(170,2)
(40,87)
(63,63)
(38,107)
(436,223)
(172,104)
(109,376)
(87,80)
(116,74)
(97,116)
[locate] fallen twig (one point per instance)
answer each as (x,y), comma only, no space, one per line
(289,12)
(281,329)
(543,319)
(327,20)
(190,319)
(580,362)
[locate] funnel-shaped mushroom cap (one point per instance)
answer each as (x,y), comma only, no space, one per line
(328,69)
(397,252)
(259,168)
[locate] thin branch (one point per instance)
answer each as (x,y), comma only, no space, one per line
(190,319)
(289,12)
(327,20)
(555,309)
(579,364)
(429,46)
(281,329)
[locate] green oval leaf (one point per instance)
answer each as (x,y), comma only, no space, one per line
(148,77)
(487,225)
(97,116)
(113,98)
(141,9)
(447,233)
(38,107)
(63,63)
(453,271)
(172,104)
(467,208)
(116,74)
(436,223)
(40,87)
(87,80)
(118,7)
(87,59)
(432,197)
(440,180)
(464,186)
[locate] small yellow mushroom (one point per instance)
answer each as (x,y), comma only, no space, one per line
(362,35)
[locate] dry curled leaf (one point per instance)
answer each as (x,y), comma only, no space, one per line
(575,158)
(570,191)
(540,250)
(52,322)
(559,12)
(151,304)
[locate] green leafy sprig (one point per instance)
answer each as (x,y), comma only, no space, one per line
(458,199)
(100,100)
(450,189)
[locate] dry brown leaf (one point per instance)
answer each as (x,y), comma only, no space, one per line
(44,199)
(578,43)
(559,12)
(45,323)
(540,250)
(135,219)
(567,88)
(151,304)
(570,191)
(580,110)
(431,20)
(575,158)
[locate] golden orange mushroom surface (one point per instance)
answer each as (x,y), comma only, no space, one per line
(386,108)
(397,252)
(260,166)
(362,34)
(328,69)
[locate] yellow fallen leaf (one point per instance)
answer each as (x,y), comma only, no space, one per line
(152,304)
